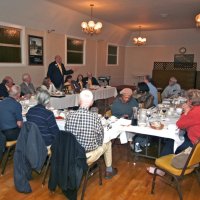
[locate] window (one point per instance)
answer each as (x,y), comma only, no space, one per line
(11,44)
(75,51)
(112,55)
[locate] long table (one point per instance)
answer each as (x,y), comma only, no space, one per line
(71,100)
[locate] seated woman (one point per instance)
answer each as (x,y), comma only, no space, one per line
(146,98)
(80,81)
(70,85)
(48,85)
(123,104)
(43,117)
(189,121)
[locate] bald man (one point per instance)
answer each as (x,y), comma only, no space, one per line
(56,72)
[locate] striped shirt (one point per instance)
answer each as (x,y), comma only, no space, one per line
(45,121)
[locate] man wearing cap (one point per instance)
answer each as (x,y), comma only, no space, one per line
(122,105)
(173,89)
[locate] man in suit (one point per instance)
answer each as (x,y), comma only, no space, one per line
(27,87)
(56,72)
(5,86)
(89,80)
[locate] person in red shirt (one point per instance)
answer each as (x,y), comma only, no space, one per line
(190,119)
(189,122)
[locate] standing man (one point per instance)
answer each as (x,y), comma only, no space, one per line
(56,72)
(89,132)
(11,114)
(152,89)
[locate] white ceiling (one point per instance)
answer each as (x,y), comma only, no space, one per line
(130,14)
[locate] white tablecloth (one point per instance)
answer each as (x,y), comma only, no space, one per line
(72,100)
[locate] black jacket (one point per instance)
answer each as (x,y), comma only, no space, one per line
(30,153)
(68,163)
(55,75)
(94,81)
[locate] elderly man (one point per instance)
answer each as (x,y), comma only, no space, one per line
(56,72)
(173,89)
(5,86)
(122,105)
(27,87)
(89,80)
(88,130)
(11,114)
(152,89)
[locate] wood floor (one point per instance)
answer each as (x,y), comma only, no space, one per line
(132,182)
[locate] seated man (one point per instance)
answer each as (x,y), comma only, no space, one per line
(5,86)
(89,80)
(43,118)
(173,89)
(122,105)
(11,114)
(27,87)
(88,130)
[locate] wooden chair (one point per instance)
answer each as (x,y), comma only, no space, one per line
(164,164)
(89,173)
(47,166)
(9,146)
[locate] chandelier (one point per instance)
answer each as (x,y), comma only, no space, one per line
(91,27)
(139,40)
(197,19)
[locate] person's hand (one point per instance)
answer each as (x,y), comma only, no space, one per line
(186,108)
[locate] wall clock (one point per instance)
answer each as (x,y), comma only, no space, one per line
(182,50)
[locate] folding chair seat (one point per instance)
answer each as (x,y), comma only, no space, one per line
(192,164)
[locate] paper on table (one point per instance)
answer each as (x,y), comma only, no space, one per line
(123,138)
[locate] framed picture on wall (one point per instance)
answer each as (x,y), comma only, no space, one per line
(35,50)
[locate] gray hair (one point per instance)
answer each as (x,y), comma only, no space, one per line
(86,99)
(173,79)
(25,76)
(194,96)
(42,96)
(15,90)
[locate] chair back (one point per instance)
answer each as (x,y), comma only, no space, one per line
(194,157)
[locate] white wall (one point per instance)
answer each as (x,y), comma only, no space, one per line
(161,46)
(38,16)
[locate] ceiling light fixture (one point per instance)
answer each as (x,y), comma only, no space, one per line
(197,19)
(139,40)
(91,27)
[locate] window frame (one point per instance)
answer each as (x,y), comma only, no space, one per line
(66,50)
(22,43)
(117,55)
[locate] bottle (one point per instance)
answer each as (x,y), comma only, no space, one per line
(134,116)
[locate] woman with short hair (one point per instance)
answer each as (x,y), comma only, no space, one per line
(43,117)
(188,121)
